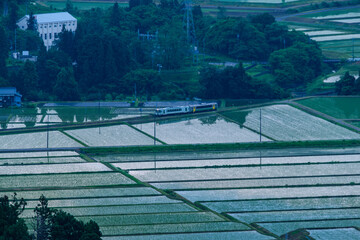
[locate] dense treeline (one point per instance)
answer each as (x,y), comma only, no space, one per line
(348,85)
(48,223)
(233,82)
(106,58)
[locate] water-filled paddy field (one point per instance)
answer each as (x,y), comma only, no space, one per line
(37,140)
(40,116)
(334,234)
(120,205)
(119,135)
(280,194)
(213,129)
(286,123)
(278,190)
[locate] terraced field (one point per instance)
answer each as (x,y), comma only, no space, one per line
(280,194)
(286,123)
(122,206)
(211,129)
(197,195)
(334,31)
(37,140)
(118,135)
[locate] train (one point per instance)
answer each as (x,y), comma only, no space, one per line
(203,107)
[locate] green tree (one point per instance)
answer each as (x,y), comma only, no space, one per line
(13,16)
(237,38)
(11,226)
(56,224)
(173,47)
(221,14)
(3,52)
(4,82)
(28,81)
(115,16)
(66,87)
(346,85)
(28,41)
(211,83)
(66,42)
(261,21)
(69,6)
(65,226)
(147,82)
(235,83)
(296,65)
(42,219)
(32,23)
(48,75)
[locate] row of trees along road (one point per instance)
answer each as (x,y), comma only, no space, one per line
(106,57)
(48,223)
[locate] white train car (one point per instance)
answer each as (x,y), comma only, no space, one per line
(172,110)
(186,109)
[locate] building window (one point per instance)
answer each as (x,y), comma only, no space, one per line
(49,35)
(40,35)
(45,36)
(45,26)
(22,27)
(55,25)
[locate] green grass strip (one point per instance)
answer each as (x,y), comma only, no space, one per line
(125,173)
(8,119)
(73,138)
(86,158)
(250,129)
(152,137)
(222,146)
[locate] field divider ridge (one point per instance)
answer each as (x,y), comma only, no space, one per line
(73,138)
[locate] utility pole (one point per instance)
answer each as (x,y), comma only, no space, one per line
(47,133)
(353,50)
(15,41)
(260,124)
(154,129)
(189,26)
(99,115)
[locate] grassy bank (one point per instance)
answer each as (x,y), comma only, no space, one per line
(222,147)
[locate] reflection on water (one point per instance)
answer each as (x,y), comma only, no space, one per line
(238,116)
(208,120)
(30,117)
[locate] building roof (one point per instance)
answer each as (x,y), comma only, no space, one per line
(52,17)
(6,91)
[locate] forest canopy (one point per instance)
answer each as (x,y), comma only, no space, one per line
(106,56)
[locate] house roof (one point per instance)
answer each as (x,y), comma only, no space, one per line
(6,91)
(52,17)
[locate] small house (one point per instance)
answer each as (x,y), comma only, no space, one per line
(9,97)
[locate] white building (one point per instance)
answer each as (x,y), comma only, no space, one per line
(49,25)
